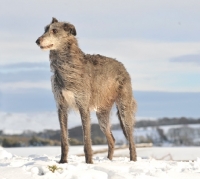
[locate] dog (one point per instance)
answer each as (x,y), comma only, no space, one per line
(86,82)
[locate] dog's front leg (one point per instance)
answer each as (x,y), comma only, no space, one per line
(62,114)
(85,117)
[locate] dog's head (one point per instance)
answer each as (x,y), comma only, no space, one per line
(54,34)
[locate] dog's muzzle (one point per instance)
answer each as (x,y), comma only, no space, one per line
(38,42)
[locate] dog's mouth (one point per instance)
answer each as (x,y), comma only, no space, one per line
(45,47)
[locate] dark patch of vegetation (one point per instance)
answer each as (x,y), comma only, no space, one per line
(51,137)
(6,142)
(37,141)
(167,121)
(162,122)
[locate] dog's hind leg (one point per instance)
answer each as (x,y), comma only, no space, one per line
(126,108)
(103,118)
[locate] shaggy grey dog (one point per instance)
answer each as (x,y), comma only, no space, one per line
(87,82)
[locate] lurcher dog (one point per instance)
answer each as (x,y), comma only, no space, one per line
(87,82)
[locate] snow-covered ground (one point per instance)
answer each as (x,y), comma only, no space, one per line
(166,128)
(164,153)
(37,164)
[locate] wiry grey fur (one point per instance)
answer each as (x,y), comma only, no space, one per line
(87,82)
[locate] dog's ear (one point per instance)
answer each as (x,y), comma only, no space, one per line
(54,20)
(69,28)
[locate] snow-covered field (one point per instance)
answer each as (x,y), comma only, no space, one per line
(166,128)
(152,163)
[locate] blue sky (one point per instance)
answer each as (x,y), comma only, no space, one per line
(158,42)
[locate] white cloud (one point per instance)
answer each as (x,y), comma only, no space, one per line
(140,49)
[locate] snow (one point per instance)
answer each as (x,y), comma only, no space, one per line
(36,166)
(4,154)
(55,150)
(165,153)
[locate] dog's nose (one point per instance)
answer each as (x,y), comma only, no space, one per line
(38,41)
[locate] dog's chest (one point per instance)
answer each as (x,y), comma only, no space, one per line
(70,98)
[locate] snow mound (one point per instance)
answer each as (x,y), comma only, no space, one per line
(4,154)
(47,167)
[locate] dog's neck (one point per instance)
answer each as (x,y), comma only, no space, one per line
(67,64)
(68,59)
(68,49)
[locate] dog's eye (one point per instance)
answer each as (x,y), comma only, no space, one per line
(54,31)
